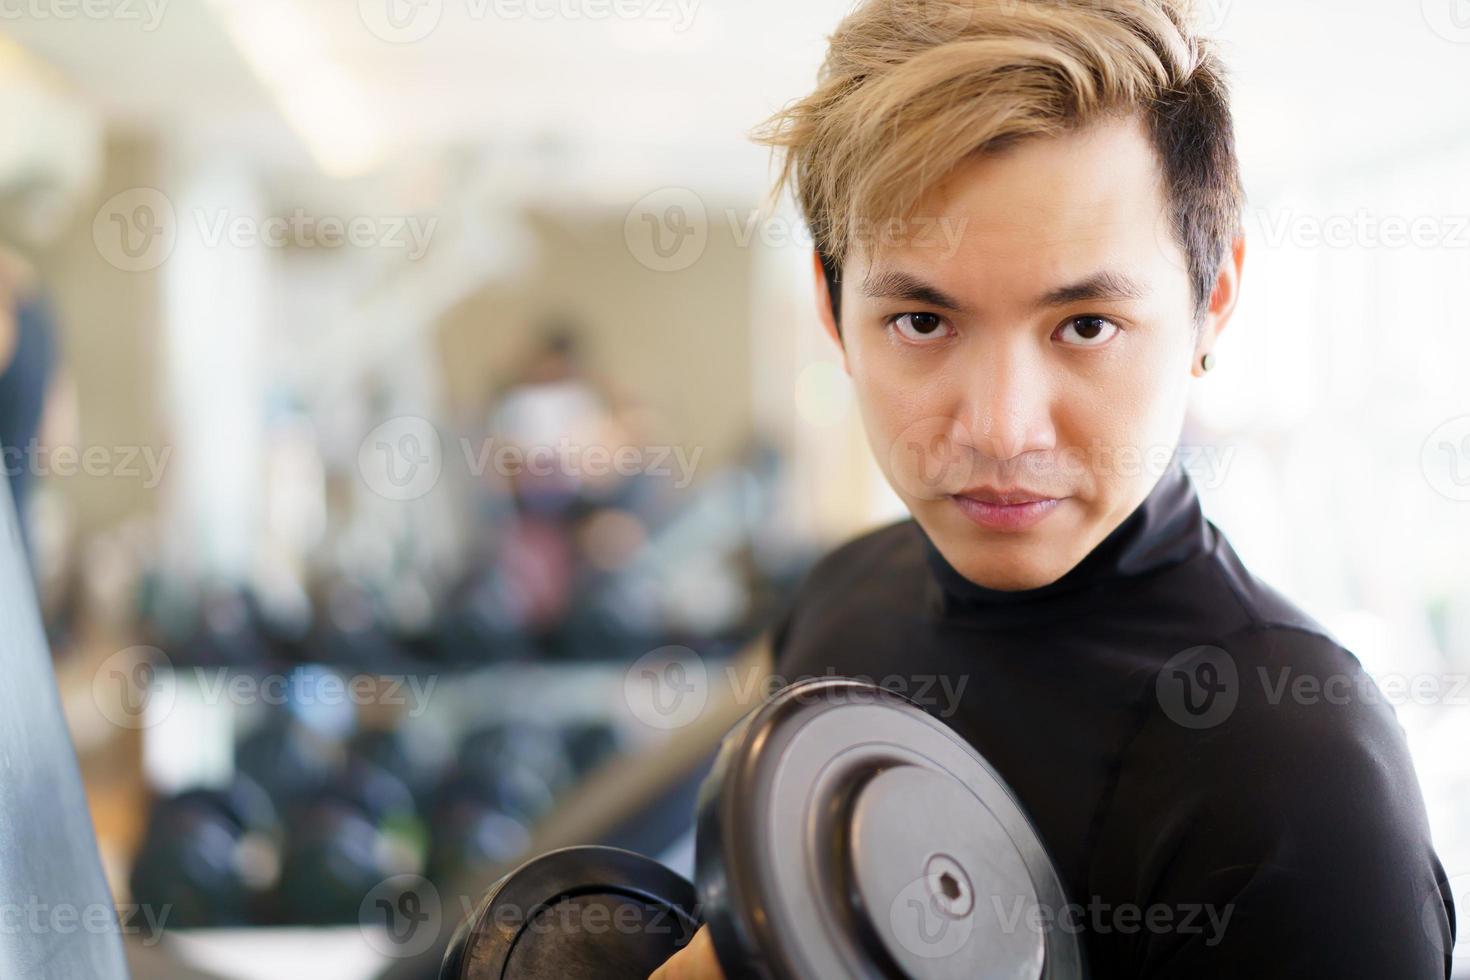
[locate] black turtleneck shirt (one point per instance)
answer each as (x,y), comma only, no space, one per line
(1224,791)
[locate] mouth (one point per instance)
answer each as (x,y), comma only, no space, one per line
(1012,509)
(1005,496)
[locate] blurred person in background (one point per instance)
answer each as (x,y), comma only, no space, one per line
(28,365)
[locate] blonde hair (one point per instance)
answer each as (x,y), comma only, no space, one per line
(911,88)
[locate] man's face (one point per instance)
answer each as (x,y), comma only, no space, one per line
(1044,347)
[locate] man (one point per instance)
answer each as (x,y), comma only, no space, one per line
(1023,388)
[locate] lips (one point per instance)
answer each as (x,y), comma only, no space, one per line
(1006,510)
(1006,516)
(1004,497)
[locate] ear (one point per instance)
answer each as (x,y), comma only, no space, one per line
(1222,302)
(824,305)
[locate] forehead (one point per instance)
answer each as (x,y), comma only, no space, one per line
(1043,209)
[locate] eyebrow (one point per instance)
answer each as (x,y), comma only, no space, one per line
(1100,286)
(892,284)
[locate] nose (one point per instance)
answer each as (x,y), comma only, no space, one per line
(1007,404)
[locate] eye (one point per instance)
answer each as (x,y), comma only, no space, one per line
(920,328)
(1089,331)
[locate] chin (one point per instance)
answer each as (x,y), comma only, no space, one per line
(1008,578)
(1007,566)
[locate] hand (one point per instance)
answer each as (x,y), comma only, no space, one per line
(694,962)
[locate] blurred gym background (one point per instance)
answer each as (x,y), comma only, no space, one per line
(387,380)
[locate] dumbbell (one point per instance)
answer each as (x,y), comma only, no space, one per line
(843,832)
(353,832)
(202,853)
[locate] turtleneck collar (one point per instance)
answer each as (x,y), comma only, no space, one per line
(1167,528)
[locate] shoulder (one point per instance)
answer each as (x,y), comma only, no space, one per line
(1280,696)
(1260,604)
(1291,798)
(1280,735)
(881,568)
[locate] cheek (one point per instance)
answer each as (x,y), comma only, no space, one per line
(1127,420)
(903,414)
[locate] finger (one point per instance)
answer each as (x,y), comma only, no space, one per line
(694,962)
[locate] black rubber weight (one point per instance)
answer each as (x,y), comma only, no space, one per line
(845,832)
(576,914)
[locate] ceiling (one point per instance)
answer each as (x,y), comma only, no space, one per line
(605,105)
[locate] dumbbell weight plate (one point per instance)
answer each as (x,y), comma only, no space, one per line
(576,914)
(844,832)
